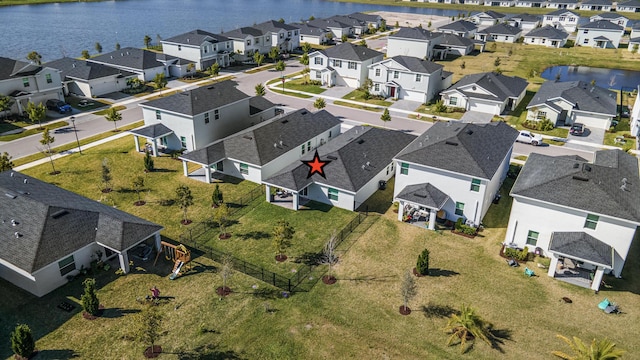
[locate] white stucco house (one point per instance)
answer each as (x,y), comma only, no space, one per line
(454,167)
(192,119)
(596,5)
(565,103)
(337,28)
(531,3)
(260,151)
(285,37)
(563,4)
(344,65)
(26,82)
(416,42)
(612,17)
(562,19)
(546,36)
(201,47)
(313,35)
(248,40)
(358,160)
(49,233)
(409,78)
(460,27)
(601,34)
(89,79)
(146,64)
(488,18)
(628,6)
(526,22)
(499,33)
(582,215)
(488,92)
(503,3)
(454,45)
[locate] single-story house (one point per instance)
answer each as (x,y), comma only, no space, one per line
(546,36)
(562,19)
(612,17)
(88,79)
(531,3)
(628,6)
(146,64)
(337,28)
(525,21)
(460,27)
(488,18)
(563,4)
(313,35)
(451,44)
(499,33)
(601,34)
(345,64)
(596,5)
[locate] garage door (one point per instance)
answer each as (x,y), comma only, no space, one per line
(483,107)
(591,122)
(353,83)
(414,96)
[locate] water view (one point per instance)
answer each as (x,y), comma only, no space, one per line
(607,78)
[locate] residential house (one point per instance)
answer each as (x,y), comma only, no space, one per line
(370,20)
(546,36)
(337,28)
(503,3)
(634,37)
(451,44)
(500,33)
(249,40)
(565,103)
(357,161)
(473,2)
(201,47)
(260,151)
(49,234)
(88,79)
(596,5)
(563,4)
(146,64)
(460,27)
(286,37)
(417,42)
(563,19)
(635,30)
(409,78)
(197,117)
(356,26)
(525,21)
(611,16)
(531,3)
(345,64)
(488,92)
(488,18)
(601,34)
(634,44)
(453,168)
(581,215)
(26,82)
(628,6)
(634,119)
(313,35)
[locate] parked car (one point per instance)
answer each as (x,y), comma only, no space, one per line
(577,129)
(59,106)
(528,137)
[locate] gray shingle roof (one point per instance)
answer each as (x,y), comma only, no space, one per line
(309,30)
(459,25)
(492,14)
(153,131)
(328,23)
(417,65)
(196,37)
(353,22)
(455,40)
(424,194)
(526,17)
(501,86)
(349,154)
(10,68)
(583,96)
(632,3)
(365,17)
(548,32)
(597,2)
(199,100)
(351,52)
(596,188)
(609,15)
(564,11)
(275,26)
(582,246)
(414,34)
(502,29)
(563,2)
(80,69)
(259,104)
(129,57)
(601,25)
(53,223)
(636,25)
(243,32)
(471,149)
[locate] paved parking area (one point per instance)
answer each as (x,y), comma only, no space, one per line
(407,105)
(337,91)
(476,117)
(592,138)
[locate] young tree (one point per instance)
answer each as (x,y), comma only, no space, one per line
(34,57)
(159,81)
(214,70)
(422,265)
(6,102)
(463,65)
(185,199)
(408,291)
(429,24)
(260,90)
(216,197)
(150,328)
(329,257)
(115,116)
(5,162)
(258,58)
(439,106)
(90,302)
(634,49)
(383,25)
(106,175)
(281,20)
(496,62)
(226,271)
(282,235)
(221,216)
(36,113)
(22,343)
(304,60)
(311,18)
(344,38)
(273,54)
(385,117)
(598,350)
(319,104)
(467,325)
(85,54)
(118,46)
(329,36)
(98,47)
(190,68)
(138,184)
(363,42)
(47,140)
(306,47)
(280,66)
(148,161)
(147,41)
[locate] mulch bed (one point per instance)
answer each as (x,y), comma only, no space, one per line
(157,350)
(404,310)
(33,354)
(106,191)
(416,273)
(281,258)
(224,236)
(223,291)
(66,306)
(329,280)
(185,222)
(567,300)
(139,203)
(463,234)
(510,258)
(88,316)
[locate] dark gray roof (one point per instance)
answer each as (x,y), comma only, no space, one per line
(153,131)
(564,11)
(309,30)
(199,100)
(601,25)
(356,156)
(349,51)
(492,14)
(275,26)
(548,32)
(610,15)
(328,23)
(10,68)
(596,2)
(563,2)
(526,17)
(501,86)
(502,29)
(130,57)
(258,104)
(53,223)
(582,246)
(634,40)
(365,17)
(583,96)
(471,149)
(601,38)
(260,144)
(596,188)
(82,70)
(196,38)
(417,65)
(636,25)
(632,3)
(459,25)
(414,34)
(424,194)
(454,40)
(243,32)
(353,22)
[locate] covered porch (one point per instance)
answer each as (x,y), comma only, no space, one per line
(123,256)
(392,90)
(152,133)
(420,203)
(211,162)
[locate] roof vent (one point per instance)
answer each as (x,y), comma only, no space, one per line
(24,192)
(12,173)
(211,87)
(581,178)
(284,121)
(275,145)
(281,143)
(625,181)
(73,65)
(25,181)
(576,165)
(17,235)
(331,157)
(368,163)
(127,53)
(420,194)
(586,167)
(451,143)
(361,141)
(247,137)
(14,222)
(624,187)
(60,213)
(111,56)
(469,131)
(304,112)
(363,166)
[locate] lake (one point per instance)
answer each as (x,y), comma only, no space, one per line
(607,78)
(65,29)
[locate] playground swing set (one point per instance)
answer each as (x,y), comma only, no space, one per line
(179,254)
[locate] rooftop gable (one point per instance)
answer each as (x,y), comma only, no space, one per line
(417,65)
(351,52)
(129,57)
(459,25)
(548,32)
(501,86)
(83,70)
(583,96)
(601,25)
(196,38)
(415,33)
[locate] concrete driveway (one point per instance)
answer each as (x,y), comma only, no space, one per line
(476,117)
(407,105)
(592,139)
(337,91)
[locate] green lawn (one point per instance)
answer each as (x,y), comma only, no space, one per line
(302,96)
(358,95)
(94,103)
(118,108)
(612,137)
(33,131)
(357,106)
(299,84)
(426,109)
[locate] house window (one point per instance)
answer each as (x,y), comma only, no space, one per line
(453,101)
(302,149)
(396,74)
(378,72)
(289,33)
(475,185)
(353,65)
(216,114)
(25,82)
(158,115)
(179,47)
(418,77)
(318,75)
(586,31)
(317,61)
(376,87)
(267,39)
(228,45)
(494,36)
(249,42)
(544,40)
(48,77)
(333,194)
(459,208)
(244,169)
(586,41)
(206,118)
(532,238)
(66,265)
(404,168)
(257,40)
(572,19)
(309,146)
(563,18)
(301,37)
(337,63)
(549,18)
(541,115)
(329,134)
(281,35)
(183,142)
(591,222)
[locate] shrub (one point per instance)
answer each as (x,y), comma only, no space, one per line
(148,162)
(90,302)
(22,343)
(545,125)
(522,255)
(458,225)
(422,265)
(569,44)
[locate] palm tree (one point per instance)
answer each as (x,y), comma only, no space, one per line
(599,350)
(467,325)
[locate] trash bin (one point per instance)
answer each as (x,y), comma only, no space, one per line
(382,184)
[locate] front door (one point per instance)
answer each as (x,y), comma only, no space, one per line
(392,92)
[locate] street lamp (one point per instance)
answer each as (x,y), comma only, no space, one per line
(73,121)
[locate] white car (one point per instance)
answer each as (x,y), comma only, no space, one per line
(528,137)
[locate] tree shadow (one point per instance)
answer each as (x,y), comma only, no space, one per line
(60,354)
(115,313)
(436,272)
(163,170)
(208,352)
(309,258)
(386,278)
(256,235)
(438,311)
(267,294)
(498,337)
(202,268)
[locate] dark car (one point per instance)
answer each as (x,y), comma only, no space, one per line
(59,106)
(577,129)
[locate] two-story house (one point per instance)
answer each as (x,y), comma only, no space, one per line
(460,27)
(409,78)
(499,33)
(488,18)
(582,215)
(202,47)
(249,40)
(345,64)
(285,37)
(562,19)
(601,34)
(146,64)
(596,5)
(26,82)
(356,26)
(373,21)
(546,36)
(313,35)
(88,79)
(455,168)
(525,21)
(563,4)
(613,17)
(337,28)
(416,42)
(565,103)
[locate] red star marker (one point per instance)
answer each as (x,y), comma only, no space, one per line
(316,165)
